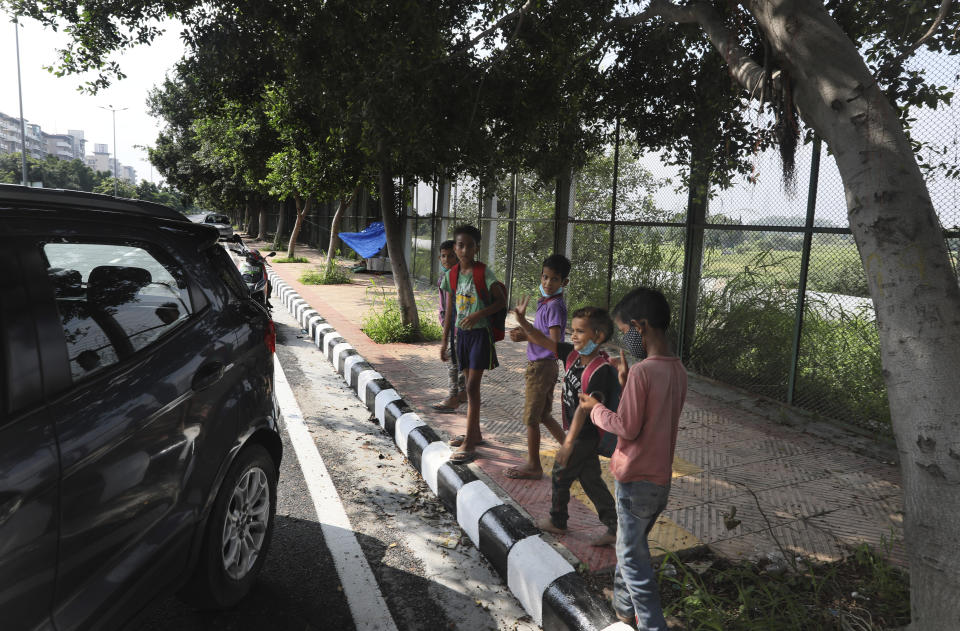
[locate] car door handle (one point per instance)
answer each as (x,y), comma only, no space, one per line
(9,504)
(207,375)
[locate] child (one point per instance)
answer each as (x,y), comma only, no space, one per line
(577,458)
(474,343)
(458,391)
(541,372)
(646,423)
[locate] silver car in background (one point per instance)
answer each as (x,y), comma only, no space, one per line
(218,221)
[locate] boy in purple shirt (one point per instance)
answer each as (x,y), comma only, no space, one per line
(542,369)
(457,394)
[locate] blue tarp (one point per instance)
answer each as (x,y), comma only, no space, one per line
(368,242)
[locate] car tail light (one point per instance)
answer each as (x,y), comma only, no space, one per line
(270,339)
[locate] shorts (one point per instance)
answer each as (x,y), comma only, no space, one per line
(475,349)
(541,378)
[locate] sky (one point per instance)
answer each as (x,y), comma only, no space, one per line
(56,105)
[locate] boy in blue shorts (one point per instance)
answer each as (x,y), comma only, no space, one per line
(474,342)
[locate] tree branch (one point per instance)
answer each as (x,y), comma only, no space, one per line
(747,72)
(469,44)
(937,21)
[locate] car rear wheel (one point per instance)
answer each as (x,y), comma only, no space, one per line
(238,532)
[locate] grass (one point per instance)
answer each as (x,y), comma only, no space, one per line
(333,276)
(862,591)
(384,324)
(294,259)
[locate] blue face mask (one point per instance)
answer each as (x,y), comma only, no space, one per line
(546,295)
(588,348)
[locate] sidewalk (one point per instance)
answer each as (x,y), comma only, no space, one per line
(810,495)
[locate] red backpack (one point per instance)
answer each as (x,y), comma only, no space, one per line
(498,320)
(608,441)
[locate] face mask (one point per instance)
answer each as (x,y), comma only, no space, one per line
(634,343)
(546,295)
(589,348)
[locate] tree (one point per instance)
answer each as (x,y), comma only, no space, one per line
(901,245)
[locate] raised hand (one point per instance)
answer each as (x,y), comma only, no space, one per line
(623,368)
(521,309)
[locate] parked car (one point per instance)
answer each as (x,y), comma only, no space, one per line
(253,268)
(218,221)
(139,447)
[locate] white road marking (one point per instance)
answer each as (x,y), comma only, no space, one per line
(367,606)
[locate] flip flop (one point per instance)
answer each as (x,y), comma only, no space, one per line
(516,474)
(443,409)
(456,441)
(463,457)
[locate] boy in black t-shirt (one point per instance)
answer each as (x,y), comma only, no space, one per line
(577,459)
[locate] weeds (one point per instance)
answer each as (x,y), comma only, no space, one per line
(332,276)
(295,259)
(863,591)
(384,323)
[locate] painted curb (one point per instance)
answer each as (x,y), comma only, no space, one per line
(547,586)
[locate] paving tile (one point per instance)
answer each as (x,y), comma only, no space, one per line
(707,521)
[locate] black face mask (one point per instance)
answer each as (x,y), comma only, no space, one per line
(634,343)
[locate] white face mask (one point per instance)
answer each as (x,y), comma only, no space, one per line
(546,295)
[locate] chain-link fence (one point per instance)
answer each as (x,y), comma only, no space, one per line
(781,305)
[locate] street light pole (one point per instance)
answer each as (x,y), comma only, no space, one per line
(23,126)
(116,167)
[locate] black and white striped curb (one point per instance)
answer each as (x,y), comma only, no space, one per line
(544,582)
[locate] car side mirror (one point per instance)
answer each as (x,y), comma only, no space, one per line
(272,254)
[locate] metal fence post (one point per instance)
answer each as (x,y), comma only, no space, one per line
(804,268)
(613,212)
(434,244)
(562,228)
(511,239)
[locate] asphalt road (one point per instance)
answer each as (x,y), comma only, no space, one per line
(430,575)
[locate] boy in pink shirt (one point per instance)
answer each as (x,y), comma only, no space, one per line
(645,423)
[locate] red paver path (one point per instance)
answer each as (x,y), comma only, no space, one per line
(808,495)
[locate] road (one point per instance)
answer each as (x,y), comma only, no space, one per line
(423,567)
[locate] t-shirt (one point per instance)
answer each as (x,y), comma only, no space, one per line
(604,383)
(551,312)
(467,301)
(646,421)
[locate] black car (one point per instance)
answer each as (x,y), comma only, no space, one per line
(139,447)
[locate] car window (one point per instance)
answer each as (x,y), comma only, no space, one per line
(218,219)
(114,299)
(227,271)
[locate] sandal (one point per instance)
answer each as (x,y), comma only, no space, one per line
(456,441)
(463,457)
(443,409)
(519,474)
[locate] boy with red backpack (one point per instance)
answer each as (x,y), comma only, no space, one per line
(478,302)
(589,371)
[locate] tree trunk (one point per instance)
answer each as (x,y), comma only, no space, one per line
(261,220)
(335,229)
(247,217)
(912,283)
(303,207)
(252,220)
(398,263)
(280,222)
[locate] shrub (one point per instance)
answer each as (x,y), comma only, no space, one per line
(295,259)
(383,323)
(333,276)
